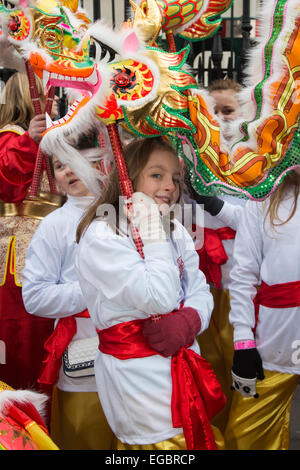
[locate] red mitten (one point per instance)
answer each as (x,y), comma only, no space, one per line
(173,331)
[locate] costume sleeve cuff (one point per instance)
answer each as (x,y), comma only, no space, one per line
(242,332)
(226,215)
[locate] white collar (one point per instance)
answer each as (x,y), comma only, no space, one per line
(82,202)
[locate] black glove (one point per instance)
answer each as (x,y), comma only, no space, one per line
(212,204)
(247,363)
(246,369)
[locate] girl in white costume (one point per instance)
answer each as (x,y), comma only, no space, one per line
(129,299)
(51,289)
(266,321)
(220,221)
(215,260)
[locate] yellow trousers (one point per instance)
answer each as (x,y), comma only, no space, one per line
(78,422)
(262,423)
(175,443)
(216,346)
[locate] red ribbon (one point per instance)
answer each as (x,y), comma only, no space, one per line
(286,295)
(212,254)
(196,393)
(56,345)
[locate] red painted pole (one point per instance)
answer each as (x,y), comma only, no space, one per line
(125,183)
(38,169)
(171,41)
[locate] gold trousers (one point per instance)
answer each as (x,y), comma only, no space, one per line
(78,422)
(262,423)
(216,346)
(175,443)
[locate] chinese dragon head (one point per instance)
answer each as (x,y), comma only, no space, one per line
(49,34)
(190,19)
(148,90)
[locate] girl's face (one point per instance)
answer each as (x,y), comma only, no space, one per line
(227,106)
(68,181)
(160,177)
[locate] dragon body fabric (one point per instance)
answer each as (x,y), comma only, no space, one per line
(150,92)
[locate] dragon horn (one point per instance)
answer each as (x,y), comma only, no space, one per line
(135,7)
(147,20)
(71,4)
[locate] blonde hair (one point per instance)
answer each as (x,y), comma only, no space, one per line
(291,180)
(17,107)
(136,154)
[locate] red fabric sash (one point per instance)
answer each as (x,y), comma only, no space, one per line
(196,393)
(212,254)
(56,345)
(284,295)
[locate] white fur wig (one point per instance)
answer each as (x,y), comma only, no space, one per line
(13,397)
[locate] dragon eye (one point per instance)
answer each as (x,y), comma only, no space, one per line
(101,52)
(9,6)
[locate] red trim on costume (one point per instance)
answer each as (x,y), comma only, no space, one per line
(212,254)
(196,393)
(286,295)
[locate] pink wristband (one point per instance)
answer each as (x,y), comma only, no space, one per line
(246,344)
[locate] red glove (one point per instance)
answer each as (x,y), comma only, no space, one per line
(173,331)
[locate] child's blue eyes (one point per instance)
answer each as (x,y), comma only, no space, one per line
(158,176)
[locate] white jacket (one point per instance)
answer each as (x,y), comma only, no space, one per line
(120,286)
(50,285)
(228,216)
(262,253)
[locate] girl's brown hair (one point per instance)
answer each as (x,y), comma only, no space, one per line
(224,84)
(136,154)
(16,107)
(290,181)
